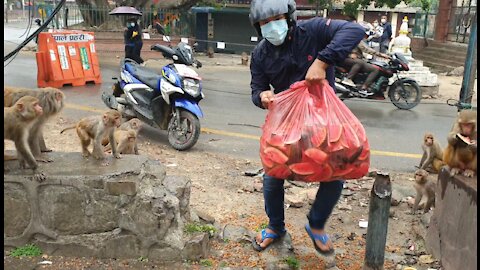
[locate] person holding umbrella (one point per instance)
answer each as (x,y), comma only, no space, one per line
(132,34)
(133,40)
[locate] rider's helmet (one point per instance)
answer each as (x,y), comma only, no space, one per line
(264,9)
(366,27)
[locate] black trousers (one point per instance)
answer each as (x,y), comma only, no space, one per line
(133,50)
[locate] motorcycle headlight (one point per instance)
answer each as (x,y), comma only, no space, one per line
(192,87)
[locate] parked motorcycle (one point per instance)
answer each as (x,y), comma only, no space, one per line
(168,101)
(404,93)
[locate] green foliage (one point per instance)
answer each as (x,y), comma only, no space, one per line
(426,5)
(322,4)
(29,250)
(206,262)
(262,226)
(292,262)
(196,227)
(351,6)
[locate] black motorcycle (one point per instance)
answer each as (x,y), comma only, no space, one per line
(404,93)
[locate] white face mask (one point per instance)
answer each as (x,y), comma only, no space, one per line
(275,31)
(375,24)
(383,21)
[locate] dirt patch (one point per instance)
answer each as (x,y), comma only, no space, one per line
(220,189)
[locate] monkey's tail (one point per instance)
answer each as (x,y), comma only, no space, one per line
(67,128)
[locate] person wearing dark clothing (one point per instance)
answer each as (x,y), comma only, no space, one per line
(292,51)
(133,41)
(387,34)
(356,62)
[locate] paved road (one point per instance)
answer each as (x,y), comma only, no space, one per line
(231,123)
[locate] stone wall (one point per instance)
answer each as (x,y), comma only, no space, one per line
(127,209)
(452,232)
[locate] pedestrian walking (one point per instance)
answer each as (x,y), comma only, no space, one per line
(292,51)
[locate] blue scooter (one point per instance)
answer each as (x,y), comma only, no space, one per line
(168,101)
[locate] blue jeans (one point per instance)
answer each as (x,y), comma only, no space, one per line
(274,194)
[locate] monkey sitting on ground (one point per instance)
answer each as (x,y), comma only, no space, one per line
(17,123)
(432,154)
(95,128)
(424,187)
(461,152)
(52,102)
(126,141)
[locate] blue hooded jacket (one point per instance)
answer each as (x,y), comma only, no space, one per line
(331,41)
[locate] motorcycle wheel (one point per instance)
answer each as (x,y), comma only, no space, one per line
(182,136)
(405,94)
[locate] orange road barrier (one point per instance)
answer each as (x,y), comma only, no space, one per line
(67,57)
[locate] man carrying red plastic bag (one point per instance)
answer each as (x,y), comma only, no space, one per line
(309,134)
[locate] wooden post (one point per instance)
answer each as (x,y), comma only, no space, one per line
(380,200)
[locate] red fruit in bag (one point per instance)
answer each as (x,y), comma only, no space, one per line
(304,168)
(279,171)
(275,140)
(364,155)
(318,137)
(324,172)
(267,162)
(275,155)
(334,132)
(350,168)
(316,155)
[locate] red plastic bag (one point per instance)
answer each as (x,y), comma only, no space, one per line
(310,135)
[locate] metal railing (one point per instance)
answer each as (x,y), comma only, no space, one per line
(424,25)
(72,16)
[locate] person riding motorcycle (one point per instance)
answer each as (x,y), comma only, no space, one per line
(356,62)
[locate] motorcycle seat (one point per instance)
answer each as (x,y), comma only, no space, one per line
(144,74)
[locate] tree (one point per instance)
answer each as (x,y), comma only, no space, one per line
(351,6)
(321,4)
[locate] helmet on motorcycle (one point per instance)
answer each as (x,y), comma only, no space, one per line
(264,9)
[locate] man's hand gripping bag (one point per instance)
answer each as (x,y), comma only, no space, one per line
(310,135)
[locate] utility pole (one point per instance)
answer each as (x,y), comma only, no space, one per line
(469,74)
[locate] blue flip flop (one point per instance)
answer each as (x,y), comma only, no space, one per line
(322,237)
(265,235)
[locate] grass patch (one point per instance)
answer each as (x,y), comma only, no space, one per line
(29,250)
(196,227)
(143,259)
(206,262)
(292,262)
(262,226)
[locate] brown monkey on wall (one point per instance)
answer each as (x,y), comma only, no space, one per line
(432,154)
(17,123)
(461,152)
(52,102)
(95,128)
(424,187)
(126,141)
(133,123)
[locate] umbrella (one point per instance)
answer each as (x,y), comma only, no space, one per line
(125,11)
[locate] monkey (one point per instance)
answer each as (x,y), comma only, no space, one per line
(432,154)
(17,123)
(126,142)
(424,187)
(52,102)
(94,128)
(133,123)
(460,155)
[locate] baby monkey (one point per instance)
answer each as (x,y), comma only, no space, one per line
(424,187)
(95,128)
(432,154)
